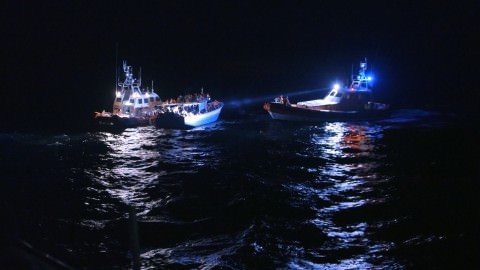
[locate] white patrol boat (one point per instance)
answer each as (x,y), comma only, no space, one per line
(341,103)
(132,107)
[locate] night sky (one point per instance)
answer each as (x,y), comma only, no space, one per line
(59,57)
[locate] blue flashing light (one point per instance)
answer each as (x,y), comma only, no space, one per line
(369,78)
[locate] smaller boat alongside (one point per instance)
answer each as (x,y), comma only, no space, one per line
(354,102)
(188,112)
(132,107)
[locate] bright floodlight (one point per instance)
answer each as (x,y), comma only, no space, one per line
(336,86)
(369,78)
(118,94)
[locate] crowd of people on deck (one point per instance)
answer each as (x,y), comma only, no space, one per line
(283,100)
(188,98)
(181,107)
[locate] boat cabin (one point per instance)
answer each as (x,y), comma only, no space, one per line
(130,99)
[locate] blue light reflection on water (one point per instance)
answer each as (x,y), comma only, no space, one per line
(134,159)
(344,181)
(251,193)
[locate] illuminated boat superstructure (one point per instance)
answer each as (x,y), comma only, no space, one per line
(341,103)
(192,112)
(132,107)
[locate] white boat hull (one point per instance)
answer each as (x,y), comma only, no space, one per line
(286,113)
(170,120)
(204,118)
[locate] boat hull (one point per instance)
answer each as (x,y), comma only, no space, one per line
(299,114)
(171,120)
(117,123)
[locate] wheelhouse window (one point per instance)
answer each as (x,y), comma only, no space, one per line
(118,99)
(132,100)
(338,95)
(152,99)
(332,93)
(139,101)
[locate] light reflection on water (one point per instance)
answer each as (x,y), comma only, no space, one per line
(348,178)
(246,194)
(138,160)
(145,159)
(126,175)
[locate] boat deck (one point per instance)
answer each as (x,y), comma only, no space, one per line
(322,108)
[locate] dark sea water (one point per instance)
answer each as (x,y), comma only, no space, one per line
(247,192)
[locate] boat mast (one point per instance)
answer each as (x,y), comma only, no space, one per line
(140,77)
(116,67)
(351,74)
